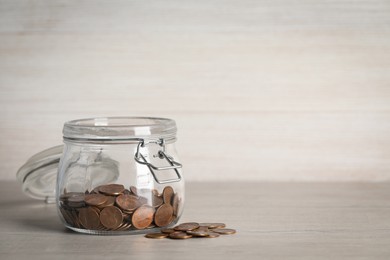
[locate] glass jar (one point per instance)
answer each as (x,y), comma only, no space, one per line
(117,175)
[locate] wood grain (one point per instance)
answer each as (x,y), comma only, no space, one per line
(280,90)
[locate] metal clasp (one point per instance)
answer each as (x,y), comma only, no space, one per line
(139,158)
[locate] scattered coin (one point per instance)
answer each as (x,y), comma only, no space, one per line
(187,226)
(213,225)
(184,231)
(224,231)
(179,235)
(167,230)
(156,235)
(198,233)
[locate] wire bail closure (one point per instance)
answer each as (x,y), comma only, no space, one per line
(174,165)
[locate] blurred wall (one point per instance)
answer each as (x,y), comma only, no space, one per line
(261,90)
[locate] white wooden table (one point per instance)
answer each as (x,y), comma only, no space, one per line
(273,221)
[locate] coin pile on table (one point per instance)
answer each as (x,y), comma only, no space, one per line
(193,230)
(112,207)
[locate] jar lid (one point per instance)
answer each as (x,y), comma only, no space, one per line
(39,174)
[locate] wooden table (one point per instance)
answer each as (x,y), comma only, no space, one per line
(273,221)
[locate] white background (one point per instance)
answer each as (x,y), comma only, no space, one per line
(260,90)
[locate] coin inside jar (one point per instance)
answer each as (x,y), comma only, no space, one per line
(111,217)
(89,218)
(164,215)
(167,194)
(112,189)
(127,202)
(142,217)
(95,199)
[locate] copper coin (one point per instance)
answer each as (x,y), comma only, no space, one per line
(143,200)
(168,194)
(179,235)
(112,189)
(167,230)
(202,228)
(68,219)
(156,235)
(142,217)
(198,233)
(213,225)
(157,201)
(111,217)
(133,190)
(109,202)
(127,202)
(155,192)
(89,218)
(95,199)
(187,226)
(224,231)
(175,204)
(212,235)
(164,215)
(76,200)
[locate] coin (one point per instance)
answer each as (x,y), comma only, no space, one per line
(175,204)
(156,235)
(167,194)
(89,218)
(224,231)
(179,235)
(157,201)
(164,215)
(213,225)
(167,230)
(187,226)
(127,202)
(111,217)
(212,235)
(112,189)
(133,190)
(76,200)
(68,219)
(142,217)
(95,199)
(109,202)
(198,233)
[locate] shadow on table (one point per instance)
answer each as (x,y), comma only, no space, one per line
(31,215)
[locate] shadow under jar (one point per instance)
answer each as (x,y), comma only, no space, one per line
(119,175)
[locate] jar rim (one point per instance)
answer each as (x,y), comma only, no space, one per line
(120,128)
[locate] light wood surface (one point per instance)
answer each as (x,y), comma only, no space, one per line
(272,90)
(273,221)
